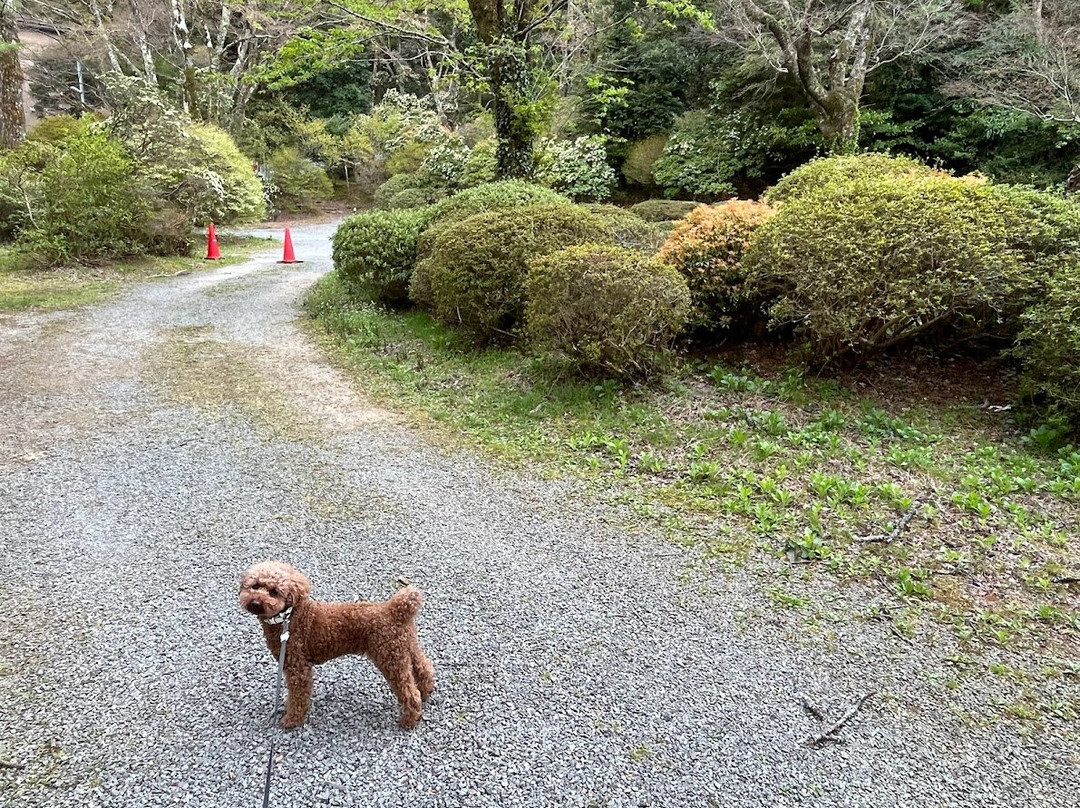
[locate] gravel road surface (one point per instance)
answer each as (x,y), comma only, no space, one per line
(153,447)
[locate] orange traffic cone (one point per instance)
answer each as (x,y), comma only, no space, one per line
(212,251)
(290,256)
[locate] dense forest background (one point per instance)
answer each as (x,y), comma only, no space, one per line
(678,99)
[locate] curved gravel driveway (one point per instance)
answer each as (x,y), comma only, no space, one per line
(153,447)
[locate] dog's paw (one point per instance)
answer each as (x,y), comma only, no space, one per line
(291,722)
(409,721)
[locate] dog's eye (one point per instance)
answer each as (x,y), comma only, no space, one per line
(272,592)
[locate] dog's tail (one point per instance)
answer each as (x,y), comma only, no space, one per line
(406,602)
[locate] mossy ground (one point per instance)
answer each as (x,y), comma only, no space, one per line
(952,516)
(193,368)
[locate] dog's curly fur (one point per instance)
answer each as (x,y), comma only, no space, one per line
(319,632)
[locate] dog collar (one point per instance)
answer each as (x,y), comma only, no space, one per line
(279,618)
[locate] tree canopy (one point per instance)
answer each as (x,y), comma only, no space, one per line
(756,85)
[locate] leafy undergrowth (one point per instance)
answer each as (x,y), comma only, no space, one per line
(24,286)
(950,517)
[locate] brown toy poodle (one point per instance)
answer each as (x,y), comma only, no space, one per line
(319,632)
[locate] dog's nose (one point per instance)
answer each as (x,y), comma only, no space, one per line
(255,607)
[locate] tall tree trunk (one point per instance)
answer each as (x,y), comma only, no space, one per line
(504,29)
(12,116)
(216,43)
(833,85)
(1038,22)
(509,80)
(99,23)
(1072,184)
(838,122)
(149,70)
(435,77)
(142,20)
(182,34)
(217,46)
(241,91)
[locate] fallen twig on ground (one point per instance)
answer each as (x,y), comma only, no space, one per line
(899,635)
(10,764)
(171,274)
(896,531)
(829,735)
(811,709)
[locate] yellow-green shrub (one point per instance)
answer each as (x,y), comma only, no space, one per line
(375,251)
(473,272)
(1058,217)
(816,174)
(605,310)
(707,249)
(20,184)
(861,266)
(209,178)
(626,229)
(1048,344)
(493,196)
(57,128)
(300,183)
(407,191)
(91,205)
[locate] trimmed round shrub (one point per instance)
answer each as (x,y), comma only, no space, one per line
(816,174)
(626,229)
(663,210)
(300,182)
(375,251)
(1058,231)
(493,196)
(474,271)
(1049,346)
(707,249)
(486,198)
(874,263)
(606,310)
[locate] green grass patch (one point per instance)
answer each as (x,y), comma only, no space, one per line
(26,286)
(947,519)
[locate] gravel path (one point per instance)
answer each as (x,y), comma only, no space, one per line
(153,447)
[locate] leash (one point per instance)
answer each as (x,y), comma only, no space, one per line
(277,697)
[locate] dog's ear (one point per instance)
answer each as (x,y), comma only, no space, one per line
(297,585)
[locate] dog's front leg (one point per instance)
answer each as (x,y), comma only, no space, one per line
(298,679)
(423,672)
